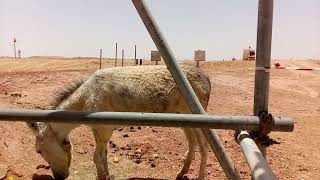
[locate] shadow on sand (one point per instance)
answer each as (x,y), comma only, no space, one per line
(41,177)
(139,178)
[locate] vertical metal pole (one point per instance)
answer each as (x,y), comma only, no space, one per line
(185,89)
(135,54)
(100,57)
(264,36)
(122,58)
(14,48)
(116,59)
(262,74)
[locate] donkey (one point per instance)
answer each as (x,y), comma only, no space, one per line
(133,89)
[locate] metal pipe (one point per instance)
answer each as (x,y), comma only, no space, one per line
(185,89)
(143,119)
(255,159)
(262,75)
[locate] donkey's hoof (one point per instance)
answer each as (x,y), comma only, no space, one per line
(182,177)
(111,177)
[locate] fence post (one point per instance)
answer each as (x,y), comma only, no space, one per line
(122,57)
(116,58)
(100,57)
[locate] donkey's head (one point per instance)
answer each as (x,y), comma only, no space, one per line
(54,149)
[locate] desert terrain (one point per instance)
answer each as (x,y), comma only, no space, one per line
(154,152)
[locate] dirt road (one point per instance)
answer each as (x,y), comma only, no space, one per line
(158,152)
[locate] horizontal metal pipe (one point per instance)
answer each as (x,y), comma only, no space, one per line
(257,163)
(283,124)
(143,119)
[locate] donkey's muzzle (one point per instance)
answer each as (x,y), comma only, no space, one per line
(59,176)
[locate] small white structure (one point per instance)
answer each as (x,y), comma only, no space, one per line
(249,54)
(155,56)
(199,55)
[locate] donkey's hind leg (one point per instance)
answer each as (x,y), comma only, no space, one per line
(190,153)
(203,148)
(101,136)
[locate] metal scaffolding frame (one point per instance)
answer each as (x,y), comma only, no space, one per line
(251,123)
(261,122)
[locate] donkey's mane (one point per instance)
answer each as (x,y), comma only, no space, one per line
(64,93)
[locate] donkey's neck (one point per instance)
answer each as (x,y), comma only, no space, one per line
(69,99)
(62,130)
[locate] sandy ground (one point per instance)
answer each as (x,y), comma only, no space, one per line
(157,153)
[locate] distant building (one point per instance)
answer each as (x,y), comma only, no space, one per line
(249,54)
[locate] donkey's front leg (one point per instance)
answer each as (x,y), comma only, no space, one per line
(203,148)
(102,136)
(192,141)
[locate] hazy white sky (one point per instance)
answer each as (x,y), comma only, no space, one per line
(221,27)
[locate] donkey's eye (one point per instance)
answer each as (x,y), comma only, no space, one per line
(65,142)
(33,126)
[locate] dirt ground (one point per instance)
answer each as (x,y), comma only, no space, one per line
(157,153)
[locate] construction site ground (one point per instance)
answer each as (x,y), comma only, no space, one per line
(156,152)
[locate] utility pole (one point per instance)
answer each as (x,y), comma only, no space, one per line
(116,59)
(135,54)
(14,47)
(100,57)
(122,58)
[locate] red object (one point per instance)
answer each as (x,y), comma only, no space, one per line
(277,65)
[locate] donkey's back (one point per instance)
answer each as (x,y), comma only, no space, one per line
(137,89)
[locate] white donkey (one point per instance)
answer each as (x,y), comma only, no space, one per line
(134,89)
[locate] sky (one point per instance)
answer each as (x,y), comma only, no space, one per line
(222,28)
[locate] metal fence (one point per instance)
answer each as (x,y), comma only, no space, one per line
(261,122)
